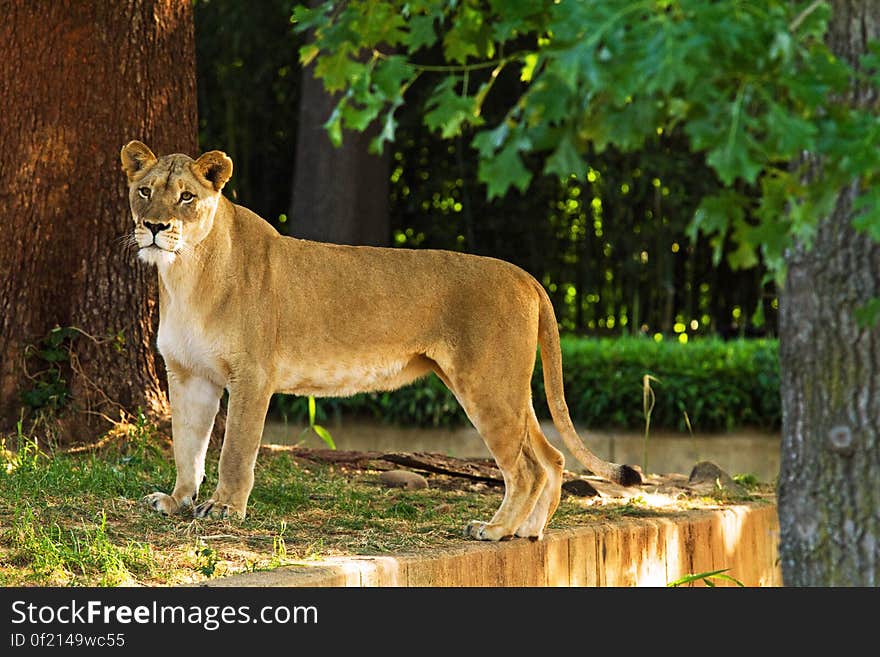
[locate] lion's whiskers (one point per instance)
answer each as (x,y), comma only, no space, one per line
(128,242)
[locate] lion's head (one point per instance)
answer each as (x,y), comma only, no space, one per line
(173,199)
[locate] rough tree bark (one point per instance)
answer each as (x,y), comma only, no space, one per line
(340,195)
(829,482)
(77,81)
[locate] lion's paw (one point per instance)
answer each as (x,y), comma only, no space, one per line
(484,531)
(531,530)
(214,509)
(530,534)
(163,503)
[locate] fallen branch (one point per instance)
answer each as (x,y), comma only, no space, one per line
(473,469)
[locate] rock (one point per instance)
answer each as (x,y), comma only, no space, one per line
(579,488)
(706,477)
(403,479)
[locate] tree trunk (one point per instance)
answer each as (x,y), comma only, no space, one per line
(340,195)
(77,81)
(829,482)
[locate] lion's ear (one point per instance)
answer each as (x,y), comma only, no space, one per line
(136,159)
(214,168)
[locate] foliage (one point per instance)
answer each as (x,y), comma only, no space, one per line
(752,86)
(48,388)
(704,385)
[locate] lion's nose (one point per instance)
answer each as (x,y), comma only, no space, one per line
(155,228)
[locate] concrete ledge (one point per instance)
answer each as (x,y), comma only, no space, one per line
(650,551)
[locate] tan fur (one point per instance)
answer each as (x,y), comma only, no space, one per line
(246,309)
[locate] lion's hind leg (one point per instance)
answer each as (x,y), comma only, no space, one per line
(503,424)
(553,462)
(524,480)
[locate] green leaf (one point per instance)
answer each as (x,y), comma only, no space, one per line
(628,126)
(324,435)
(338,69)
(530,61)
(333,125)
(488,142)
(457,48)
(788,134)
(468,36)
(389,126)
(733,156)
(714,217)
(360,109)
(774,237)
(504,170)
(733,161)
(421,33)
(53,355)
(312,410)
(565,160)
(308,53)
(390,74)
(305,18)
(548,100)
(377,23)
(744,256)
(448,111)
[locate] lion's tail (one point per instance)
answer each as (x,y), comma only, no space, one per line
(551,360)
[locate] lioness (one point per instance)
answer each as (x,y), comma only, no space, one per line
(244,308)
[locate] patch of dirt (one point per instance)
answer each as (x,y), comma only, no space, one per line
(475,474)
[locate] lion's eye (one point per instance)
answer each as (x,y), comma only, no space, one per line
(186,197)
(144,192)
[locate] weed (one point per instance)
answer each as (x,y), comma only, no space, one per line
(51,355)
(140,440)
(648,401)
(279,547)
(747,480)
(26,453)
(206,558)
(687,422)
(707,578)
(319,430)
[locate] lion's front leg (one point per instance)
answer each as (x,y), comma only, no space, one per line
(194,405)
(244,430)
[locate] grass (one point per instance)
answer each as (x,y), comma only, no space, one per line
(75,519)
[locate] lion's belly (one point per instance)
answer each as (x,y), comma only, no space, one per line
(342,378)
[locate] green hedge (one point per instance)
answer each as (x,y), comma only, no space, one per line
(721,385)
